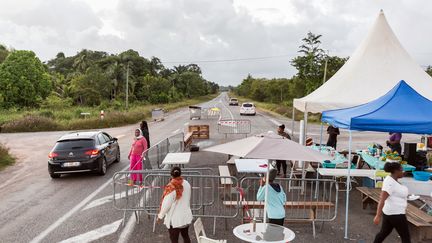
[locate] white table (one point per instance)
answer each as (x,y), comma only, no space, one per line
(423,188)
(344,172)
(251,165)
(274,233)
(177,158)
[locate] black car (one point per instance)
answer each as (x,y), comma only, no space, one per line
(83,152)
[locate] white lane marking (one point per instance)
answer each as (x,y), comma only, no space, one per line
(95,234)
(176,131)
(106,199)
(231,114)
(63,218)
(187,123)
(120,136)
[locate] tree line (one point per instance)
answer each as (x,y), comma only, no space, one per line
(311,63)
(314,67)
(95,77)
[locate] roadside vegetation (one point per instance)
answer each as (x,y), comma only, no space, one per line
(71,118)
(5,158)
(277,94)
(38,96)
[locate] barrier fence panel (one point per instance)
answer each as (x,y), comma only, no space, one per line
(154,156)
(239,126)
(317,203)
(129,195)
(207,199)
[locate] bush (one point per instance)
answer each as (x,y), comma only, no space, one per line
(55,102)
(112,119)
(5,158)
(46,113)
(30,123)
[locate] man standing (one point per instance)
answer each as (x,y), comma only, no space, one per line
(283,163)
(333,132)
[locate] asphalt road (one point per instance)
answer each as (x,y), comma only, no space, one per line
(78,208)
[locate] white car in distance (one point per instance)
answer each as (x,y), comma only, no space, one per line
(247,109)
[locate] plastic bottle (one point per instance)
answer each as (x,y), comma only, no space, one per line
(254,224)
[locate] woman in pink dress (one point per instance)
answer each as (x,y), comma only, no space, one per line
(136,154)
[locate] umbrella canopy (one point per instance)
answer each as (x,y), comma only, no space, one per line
(269,146)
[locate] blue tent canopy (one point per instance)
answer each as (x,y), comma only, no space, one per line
(402,110)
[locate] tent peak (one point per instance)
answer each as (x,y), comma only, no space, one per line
(380,61)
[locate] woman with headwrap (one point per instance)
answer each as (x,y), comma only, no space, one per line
(139,145)
(175,207)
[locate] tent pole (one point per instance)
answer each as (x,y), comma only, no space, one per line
(293,122)
(266,194)
(348,186)
(305,126)
(321,135)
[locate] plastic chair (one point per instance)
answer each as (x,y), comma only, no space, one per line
(203,239)
(199,228)
(201,235)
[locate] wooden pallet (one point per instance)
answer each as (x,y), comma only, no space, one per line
(200,131)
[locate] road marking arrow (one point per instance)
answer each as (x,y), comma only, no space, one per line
(95,234)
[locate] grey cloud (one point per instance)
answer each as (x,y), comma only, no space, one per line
(190,30)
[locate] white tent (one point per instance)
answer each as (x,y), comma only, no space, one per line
(377,65)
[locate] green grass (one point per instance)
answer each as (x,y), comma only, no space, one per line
(71,119)
(5,158)
(280,109)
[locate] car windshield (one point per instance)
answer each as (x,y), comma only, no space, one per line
(233,99)
(247,105)
(74,144)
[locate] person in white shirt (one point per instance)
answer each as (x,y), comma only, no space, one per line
(392,205)
(175,207)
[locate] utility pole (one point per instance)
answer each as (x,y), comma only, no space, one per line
(325,67)
(127,85)
(281,97)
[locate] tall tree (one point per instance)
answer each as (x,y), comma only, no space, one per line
(24,80)
(309,64)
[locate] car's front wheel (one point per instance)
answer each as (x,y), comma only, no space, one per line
(117,157)
(102,166)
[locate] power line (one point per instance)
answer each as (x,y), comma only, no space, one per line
(230,60)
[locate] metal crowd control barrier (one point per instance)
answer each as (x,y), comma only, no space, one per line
(209,192)
(317,203)
(239,126)
(154,156)
(130,196)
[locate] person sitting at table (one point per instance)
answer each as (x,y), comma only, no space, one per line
(275,201)
(392,205)
(394,142)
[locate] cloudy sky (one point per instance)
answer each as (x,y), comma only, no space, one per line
(210,31)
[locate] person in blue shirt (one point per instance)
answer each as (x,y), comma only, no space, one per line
(275,201)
